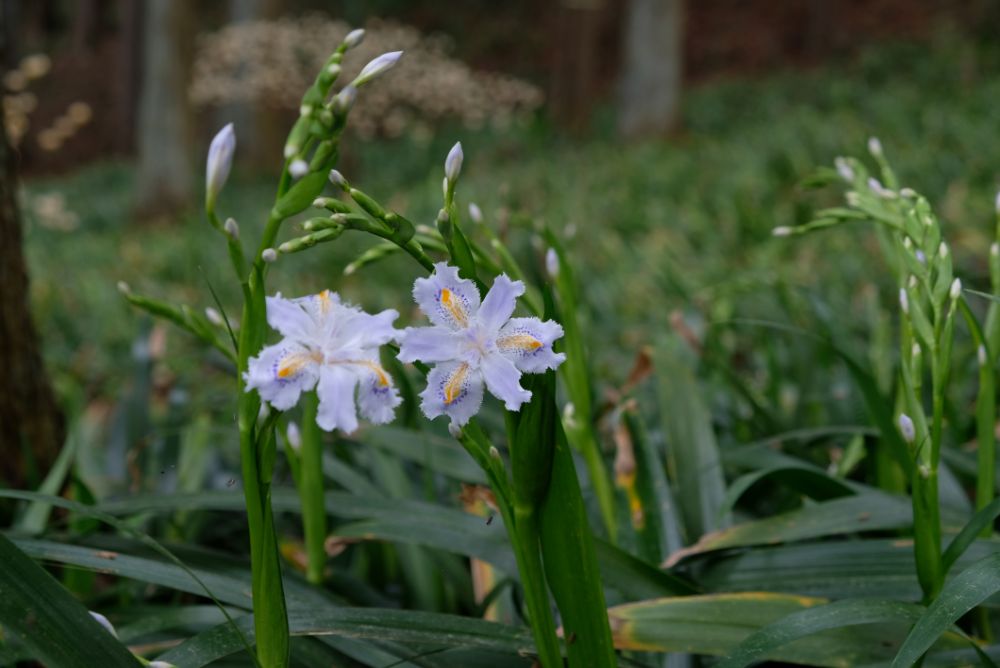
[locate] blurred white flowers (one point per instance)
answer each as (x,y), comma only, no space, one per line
(473,344)
(330,346)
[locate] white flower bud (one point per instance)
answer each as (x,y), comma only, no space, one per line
(907,243)
(290,150)
(915,350)
(921,256)
(354,38)
(103,621)
(220,161)
(943,250)
(350,269)
(475,214)
(781,231)
(996,203)
(494,453)
(124,288)
(298,168)
(453,163)
(875,147)
(269,255)
(908,193)
(552,263)
(232,228)
(906,428)
(337,179)
(454,430)
(844,169)
(305,110)
(911,282)
(924,470)
(981,355)
(879,190)
(904,301)
(214,317)
(956,288)
(333,69)
(294,436)
(995,249)
(344,100)
(377,67)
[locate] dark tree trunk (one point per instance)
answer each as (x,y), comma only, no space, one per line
(575,70)
(165,180)
(649,102)
(31,424)
(129,74)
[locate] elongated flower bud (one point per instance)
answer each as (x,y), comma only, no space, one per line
(552,263)
(298,168)
(875,147)
(294,436)
(220,161)
(453,163)
(337,179)
(906,428)
(996,203)
(344,100)
(377,67)
(214,317)
(904,301)
(103,621)
(956,288)
(354,38)
(475,213)
(981,355)
(844,169)
(232,228)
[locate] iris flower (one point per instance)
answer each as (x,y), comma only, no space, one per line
(330,346)
(473,343)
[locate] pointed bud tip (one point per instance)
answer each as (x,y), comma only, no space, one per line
(453,163)
(232,228)
(475,213)
(956,288)
(294,436)
(377,67)
(875,146)
(354,38)
(124,288)
(337,179)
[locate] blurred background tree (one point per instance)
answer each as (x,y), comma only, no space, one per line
(31,424)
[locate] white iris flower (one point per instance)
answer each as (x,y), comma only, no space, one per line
(472,344)
(330,346)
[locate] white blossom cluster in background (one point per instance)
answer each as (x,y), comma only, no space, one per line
(19,104)
(271,62)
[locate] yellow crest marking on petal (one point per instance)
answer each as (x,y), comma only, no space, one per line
(454,307)
(292,364)
(324,301)
(453,388)
(524,342)
(380,374)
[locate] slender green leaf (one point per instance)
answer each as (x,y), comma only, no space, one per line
(36,515)
(424,628)
(836,615)
(852,514)
(41,614)
(692,451)
(969,588)
(571,565)
(983,519)
(813,483)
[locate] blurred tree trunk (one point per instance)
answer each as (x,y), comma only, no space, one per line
(650,93)
(129,71)
(576,62)
(31,424)
(165,180)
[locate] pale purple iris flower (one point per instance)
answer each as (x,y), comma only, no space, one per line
(330,346)
(473,344)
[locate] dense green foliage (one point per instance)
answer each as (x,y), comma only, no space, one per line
(752,443)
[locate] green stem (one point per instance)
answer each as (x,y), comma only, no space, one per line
(600,480)
(256,453)
(527,551)
(311,492)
